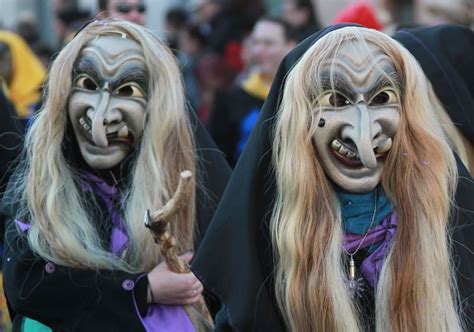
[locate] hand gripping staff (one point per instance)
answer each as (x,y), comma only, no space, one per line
(158,223)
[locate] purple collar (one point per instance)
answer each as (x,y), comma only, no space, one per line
(109,194)
(383,234)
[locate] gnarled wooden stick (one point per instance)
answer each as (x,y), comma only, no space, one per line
(158,223)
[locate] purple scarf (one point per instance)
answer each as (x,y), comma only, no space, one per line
(108,193)
(372,264)
(159,317)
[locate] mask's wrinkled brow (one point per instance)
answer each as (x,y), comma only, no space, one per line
(116,69)
(336,81)
(352,75)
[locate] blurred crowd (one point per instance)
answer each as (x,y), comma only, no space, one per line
(229,50)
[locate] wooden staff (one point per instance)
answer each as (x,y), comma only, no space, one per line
(158,223)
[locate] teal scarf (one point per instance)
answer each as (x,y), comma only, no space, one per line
(357,209)
(30,325)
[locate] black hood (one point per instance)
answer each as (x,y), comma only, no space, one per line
(446,55)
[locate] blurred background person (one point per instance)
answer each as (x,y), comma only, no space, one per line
(247,58)
(176,22)
(360,12)
(27,28)
(397,14)
(226,23)
(236,110)
(191,42)
(69,17)
(129,10)
(21,74)
(301,15)
(433,12)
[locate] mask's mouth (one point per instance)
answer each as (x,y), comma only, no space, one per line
(114,133)
(348,155)
(86,128)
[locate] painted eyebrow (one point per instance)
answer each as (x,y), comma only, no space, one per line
(388,79)
(132,75)
(86,66)
(340,83)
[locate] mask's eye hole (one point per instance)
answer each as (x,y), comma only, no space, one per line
(333,99)
(87,83)
(129,90)
(384,97)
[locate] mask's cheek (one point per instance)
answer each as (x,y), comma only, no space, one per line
(134,114)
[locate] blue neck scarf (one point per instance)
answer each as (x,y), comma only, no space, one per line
(357,209)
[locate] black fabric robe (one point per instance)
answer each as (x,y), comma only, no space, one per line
(11,139)
(445,53)
(69,299)
(235,260)
(11,143)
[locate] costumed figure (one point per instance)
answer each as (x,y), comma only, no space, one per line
(109,144)
(348,210)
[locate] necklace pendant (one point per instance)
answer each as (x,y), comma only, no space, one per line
(352,269)
(355,285)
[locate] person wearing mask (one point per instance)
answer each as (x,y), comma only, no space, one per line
(348,210)
(110,142)
(301,15)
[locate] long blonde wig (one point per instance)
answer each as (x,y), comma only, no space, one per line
(416,290)
(61,230)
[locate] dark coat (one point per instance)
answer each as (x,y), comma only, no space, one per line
(226,125)
(11,139)
(235,259)
(11,143)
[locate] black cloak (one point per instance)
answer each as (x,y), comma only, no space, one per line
(11,139)
(11,143)
(445,53)
(235,260)
(69,299)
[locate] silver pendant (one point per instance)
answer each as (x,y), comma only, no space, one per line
(355,285)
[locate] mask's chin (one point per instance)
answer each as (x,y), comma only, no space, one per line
(120,169)
(358,179)
(119,142)
(101,163)
(343,166)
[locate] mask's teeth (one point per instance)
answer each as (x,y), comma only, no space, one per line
(343,150)
(84,124)
(351,155)
(123,132)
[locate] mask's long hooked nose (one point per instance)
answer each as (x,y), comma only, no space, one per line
(98,125)
(360,133)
